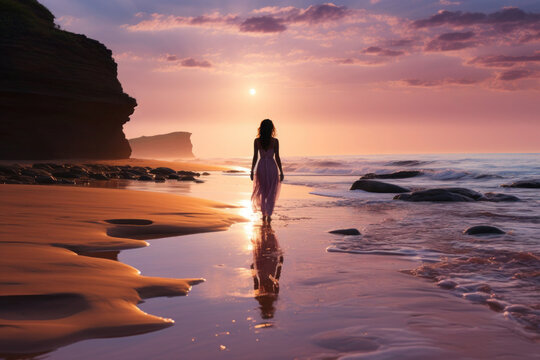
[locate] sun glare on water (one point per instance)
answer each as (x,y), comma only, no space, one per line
(252,91)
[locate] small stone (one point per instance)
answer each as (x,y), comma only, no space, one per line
(350,231)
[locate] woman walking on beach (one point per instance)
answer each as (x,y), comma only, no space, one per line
(266,182)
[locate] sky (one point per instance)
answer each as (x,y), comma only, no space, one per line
(348,77)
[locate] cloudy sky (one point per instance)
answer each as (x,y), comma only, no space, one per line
(350,77)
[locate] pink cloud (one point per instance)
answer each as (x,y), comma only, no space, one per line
(274,20)
(262,24)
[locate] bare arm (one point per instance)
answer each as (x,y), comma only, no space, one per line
(278,161)
(255,157)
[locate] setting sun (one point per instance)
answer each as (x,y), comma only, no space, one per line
(252,91)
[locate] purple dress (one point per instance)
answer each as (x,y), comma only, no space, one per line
(266,183)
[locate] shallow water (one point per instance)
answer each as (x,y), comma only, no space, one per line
(350,296)
(508,264)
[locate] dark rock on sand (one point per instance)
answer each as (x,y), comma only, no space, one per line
(191,173)
(186,178)
(45,179)
(442,194)
(233,171)
(173,177)
(34,172)
(145,178)
(377,186)
(351,231)
(163,171)
(159,178)
(527,184)
(98,176)
(395,175)
(483,230)
(498,197)
(206,173)
(59,93)
(9,170)
(62,173)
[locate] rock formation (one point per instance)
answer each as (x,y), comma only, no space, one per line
(483,230)
(175,145)
(526,184)
(59,92)
(395,175)
(454,194)
(377,187)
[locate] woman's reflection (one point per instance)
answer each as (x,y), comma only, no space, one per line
(266,268)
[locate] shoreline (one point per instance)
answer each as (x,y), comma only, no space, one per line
(60,296)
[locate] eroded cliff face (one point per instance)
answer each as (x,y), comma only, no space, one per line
(59,92)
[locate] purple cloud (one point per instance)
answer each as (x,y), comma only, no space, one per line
(375,50)
(400,43)
(440,82)
(191,62)
(512,75)
(319,13)
(505,60)
(262,24)
(456,36)
(507,18)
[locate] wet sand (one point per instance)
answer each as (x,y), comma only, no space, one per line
(51,296)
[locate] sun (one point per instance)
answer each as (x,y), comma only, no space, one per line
(252,91)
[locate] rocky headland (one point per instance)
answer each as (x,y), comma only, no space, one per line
(175,145)
(60,97)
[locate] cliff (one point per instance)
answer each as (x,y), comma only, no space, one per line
(59,92)
(175,145)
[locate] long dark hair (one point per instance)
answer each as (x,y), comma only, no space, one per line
(266,132)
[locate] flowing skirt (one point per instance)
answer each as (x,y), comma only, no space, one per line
(266,186)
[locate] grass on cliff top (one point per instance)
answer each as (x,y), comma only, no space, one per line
(23,16)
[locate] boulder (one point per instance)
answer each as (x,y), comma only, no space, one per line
(527,184)
(173,177)
(395,175)
(9,170)
(498,197)
(377,187)
(483,230)
(163,171)
(145,178)
(98,176)
(441,194)
(351,231)
(46,179)
(192,173)
(186,178)
(159,178)
(34,172)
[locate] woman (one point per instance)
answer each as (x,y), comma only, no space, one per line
(266,182)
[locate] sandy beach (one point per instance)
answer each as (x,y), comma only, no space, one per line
(52,295)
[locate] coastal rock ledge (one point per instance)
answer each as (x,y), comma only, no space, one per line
(59,93)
